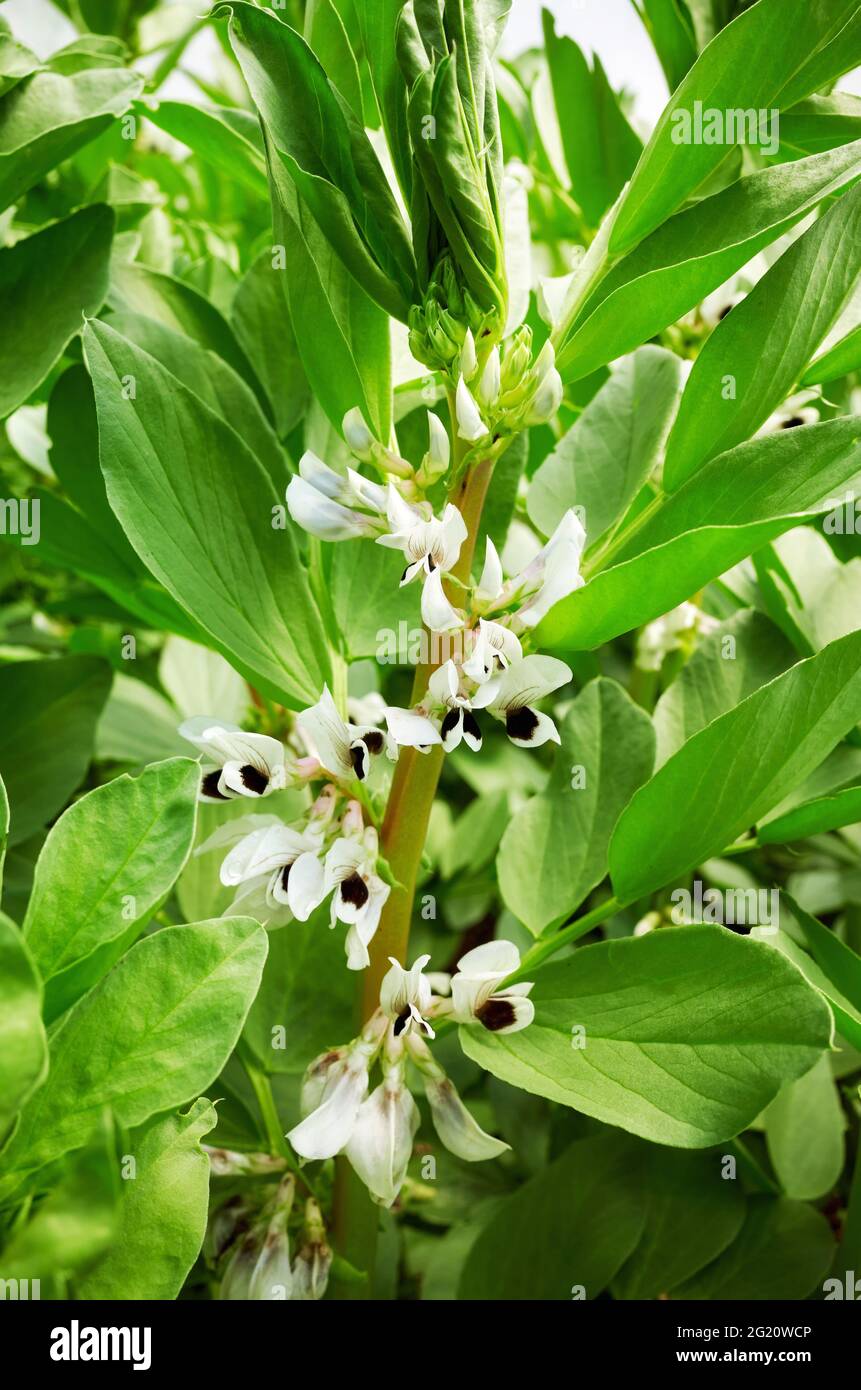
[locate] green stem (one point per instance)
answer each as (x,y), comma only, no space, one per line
(548,946)
(402,839)
(265,1101)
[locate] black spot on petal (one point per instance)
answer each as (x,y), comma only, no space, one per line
(252,778)
(209,785)
(401,1022)
(450,723)
(358,755)
(405,573)
(471,725)
(373,741)
(285,874)
(496,1014)
(727,309)
(354,891)
(431,564)
(792,423)
(521,723)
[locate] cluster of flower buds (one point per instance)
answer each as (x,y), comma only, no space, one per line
(502,391)
(438,326)
(376,1131)
(256,1260)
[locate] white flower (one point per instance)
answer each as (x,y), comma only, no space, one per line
(494,647)
(475,996)
(410,729)
(439,448)
(367,709)
(438,614)
(267,856)
(259,1268)
(458,721)
(491,380)
(510,697)
(547,398)
(405,996)
(343,749)
(798,410)
(357,434)
(381,1143)
(452,1121)
(670,633)
(551,575)
(470,425)
(333,1088)
(333,506)
(428,543)
(358,893)
(245,764)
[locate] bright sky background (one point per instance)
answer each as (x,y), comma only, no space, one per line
(608,27)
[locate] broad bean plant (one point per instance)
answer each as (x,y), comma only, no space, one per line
(430,667)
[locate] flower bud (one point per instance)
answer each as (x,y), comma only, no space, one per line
(547,399)
(470,425)
(314,1259)
(468,359)
(358,436)
(489,385)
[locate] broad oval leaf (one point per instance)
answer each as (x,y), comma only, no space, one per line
(151,1036)
(199,509)
(729,774)
(105,867)
(667,1035)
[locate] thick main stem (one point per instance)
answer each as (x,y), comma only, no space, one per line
(402,839)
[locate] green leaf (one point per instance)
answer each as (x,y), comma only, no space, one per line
(75,1223)
(735,769)
(692,1214)
(47,117)
(763,346)
(696,251)
(106,866)
(212,381)
(601,150)
(733,505)
(162,1216)
(846,1016)
(783,1252)
(151,1036)
(554,851)
(199,509)
(261,322)
(224,136)
(304,1004)
(837,960)
(475,835)
(668,26)
(23,1046)
(604,459)
(573,1224)
(327,154)
(813,818)
(747,66)
(378,20)
(138,290)
(676,1045)
(342,336)
(376,617)
(48,282)
(804,1130)
(40,769)
(747,652)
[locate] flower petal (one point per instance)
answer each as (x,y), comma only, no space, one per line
(437,613)
(409,729)
(455,1126)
